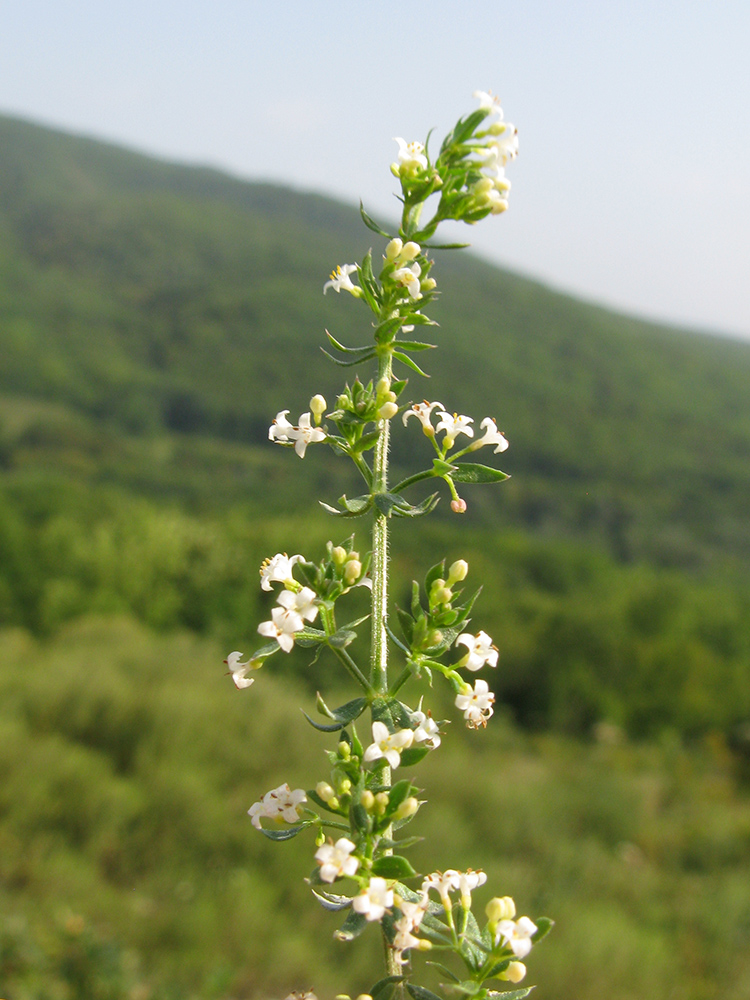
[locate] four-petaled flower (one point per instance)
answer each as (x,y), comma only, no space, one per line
(481,651)
(411,155)
(453,426)
(516,935)
(340,279)
(491,436)
(488,102)
(476,704)
(498,153)
(239,670)
(423,411)
(373,901)
(335,859)
(283,432)
(388,745)
(278,569)
(279,804)
(427,731)
(408,278)
(302,603)
(284,623)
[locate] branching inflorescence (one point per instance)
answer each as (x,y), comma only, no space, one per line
(359,812)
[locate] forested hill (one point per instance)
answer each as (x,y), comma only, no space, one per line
(140,301)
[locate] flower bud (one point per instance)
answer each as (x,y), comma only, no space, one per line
(387,411)
(433,638)
(393,250)
(320,838)
(364,996)
(424,945)
(381,802)
(442,595)
(458,571)
(396,169)
(483,187)
(367,799)
(333,803)
(458,506)
(338,554)
(514,973)
(318,407)
(428,284)
(410,251)
(383,387)
(500,908)
(325,791)
(345,787)
(407,808)
(345,750)
(352,571)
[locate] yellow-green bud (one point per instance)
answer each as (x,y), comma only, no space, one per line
(345,750)
(407,808)
(338,554)
(514,973)
(367,799)
(352,571)
(333,802)
(434,638)
(364,996)
(381,802)
(458,571)
(345,787)
(387,411)
(441,595)
(325,791)
(500,908)
(483,187)
(383,386)
(424,945)
(394,248)
(497,128)
(410,251)
(428,284)
(320,838)
(318,407)
(396,169)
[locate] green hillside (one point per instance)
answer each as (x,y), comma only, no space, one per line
(153,320)
(140,297)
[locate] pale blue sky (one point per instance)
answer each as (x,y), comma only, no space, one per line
(633,183)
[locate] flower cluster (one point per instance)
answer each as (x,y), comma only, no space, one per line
(454,424)
(280,805)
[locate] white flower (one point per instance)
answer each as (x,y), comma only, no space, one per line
(302,602)
(488,102)
(423,411)
(516,935)
(340,279)
(388,745)
(403,940)
(498,153)
(278,569)
(280,803)
(491,436)
(427,731)
(480,648)
(280,428)
(408,278)
(411,155)
(374,900)
(335,860)
(476,704)
(306,434)
(467,882)
(446,882)
(239,670)
(283,432)
(284,623)
(453,426)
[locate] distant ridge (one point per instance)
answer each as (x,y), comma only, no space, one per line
(155,298)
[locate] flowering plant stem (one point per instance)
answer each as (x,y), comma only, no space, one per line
(361,800)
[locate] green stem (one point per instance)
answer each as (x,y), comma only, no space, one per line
(353,669)
(416,478)
(379,565)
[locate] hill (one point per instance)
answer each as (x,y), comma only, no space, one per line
(141,298)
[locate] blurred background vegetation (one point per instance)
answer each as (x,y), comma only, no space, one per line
(153,319)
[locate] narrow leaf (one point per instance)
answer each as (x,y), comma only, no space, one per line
(420,993)
(347,350)
(283,834)
(468,472)
(415,345)
(383,989)
(331,901)
(413,755)
(372,225)
(406,360)
(352,927)
(543,926)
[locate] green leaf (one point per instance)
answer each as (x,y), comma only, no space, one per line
(334,728)
(543,926)
(415,345)
(348,364)
(331,901)
(342,716)
(383,988)
(406,622)
(474,954)
(348,350)
(427,505)
(413,755)
(400,791)
(391,712)
(309,637)
(352,927)
(513,994)
(393,866)
(444,246)
(284,834)
(420,993)
(446,972)
(436,572)
(406,360)
(353,508)
(468,472)
(375,229)
(342,638)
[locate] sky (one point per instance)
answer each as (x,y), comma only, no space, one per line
(632,187)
